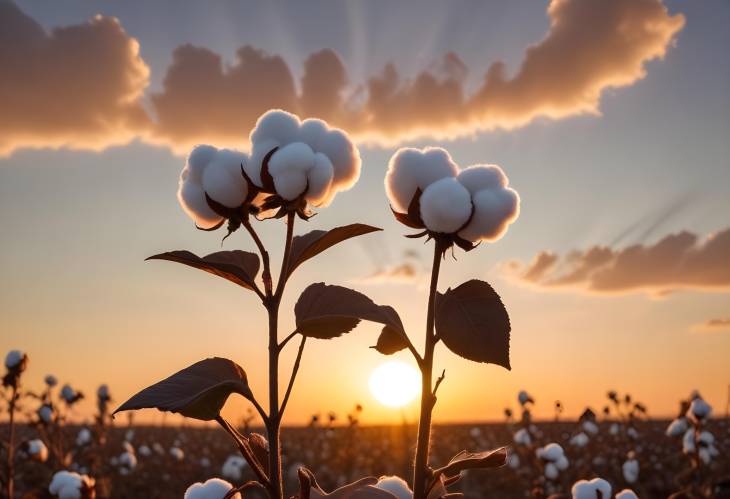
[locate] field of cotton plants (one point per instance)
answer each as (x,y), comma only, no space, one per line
(618,451)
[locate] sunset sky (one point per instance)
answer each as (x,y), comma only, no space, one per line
(611,120)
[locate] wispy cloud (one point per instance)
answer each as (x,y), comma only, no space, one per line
(54,101)
(713,325)
(676,262)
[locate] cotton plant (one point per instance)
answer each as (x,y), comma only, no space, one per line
(598,488)
(16,363)
(553,460)
(72,485)
(293,168)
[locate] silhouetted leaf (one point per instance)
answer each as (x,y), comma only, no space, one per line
(473,323)
(473,460)
(360,489)
(315,242)
(198,391)
(390,341)
(237,266)
(325,311)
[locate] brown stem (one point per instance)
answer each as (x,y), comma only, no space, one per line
(266,273)
(10,479)
(293,377)
(273,425)
(428,399)
(244,449)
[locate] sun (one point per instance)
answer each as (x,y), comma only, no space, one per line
(395,383)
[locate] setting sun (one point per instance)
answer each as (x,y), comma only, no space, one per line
(395,383)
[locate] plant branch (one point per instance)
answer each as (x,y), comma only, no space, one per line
(244,449)
(295,370)
(287,339)
(284,274)
(266,274)
(438,383)
(259,409)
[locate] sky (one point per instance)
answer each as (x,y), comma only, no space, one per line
(610,119)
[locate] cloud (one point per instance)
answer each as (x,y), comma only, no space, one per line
(676,262)
(405,272)
(77,86)
(713,325)
(82,85)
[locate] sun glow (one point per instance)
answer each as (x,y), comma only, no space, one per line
(395,383)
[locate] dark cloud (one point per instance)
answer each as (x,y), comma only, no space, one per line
(676,262)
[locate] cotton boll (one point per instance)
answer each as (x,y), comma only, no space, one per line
(83,437)
(45,413)
(345,158)
(51,380)
(630,470)
(233,467)
(579,440)
(177,453)
(445,206)
(590,427)
(128,460)
(480,177)
(494,211)
(551,471)
(295,156)
(215,488)
(144,451)
(69,485)
(688,442)
(192,199)
(37,450)
(223,181)
(598,488)
(522,437)
(273,129)
(13,359)
(198,159)
(699,410)
(412,169)
(677,427)
(319,180)
(626,494)
(523,397)
(562,463)
(396,486)
(291,184)
(551,452)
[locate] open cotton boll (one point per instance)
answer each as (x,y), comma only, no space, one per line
(45,413)
(37,450)
(630,470)
(626,494)
(445,206)
(337,146)
(177,453)
(396,486)
(50,380)
(522,437)
(69,485)
(291,184)
(223,180)
(295,156)
(523,397)
(598,488)
(320,178)
(579,440)
(13,359)
(144,451)
(273,129)
(412,169)
(494,211)
(677,427)
(127,460)
(551,471)
(83,437)
(233,467)
(215,488)
(699,410)
(590,427)
(551,452)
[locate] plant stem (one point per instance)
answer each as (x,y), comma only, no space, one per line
(428,399)
(273,425)
(9,485)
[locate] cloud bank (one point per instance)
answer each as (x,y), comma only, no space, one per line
(713,325)
(82,85)
(676,262)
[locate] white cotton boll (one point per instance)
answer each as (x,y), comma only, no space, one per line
(38,450)
(273,129)
(192,199)
(614,429)
(198,160)
(295,156)
(13,358)
(51,380)
(319,180)
(677,427)
(215,488)
(513,460)
(290,185)
(445,206)
(494,211)
(223,181)
(633,433)
(590,427)
(128,460)
(396,486)
(68,393)
(68,484)
(83,437)
(598,488)
(562,463)
(626,494)
(345,158)
(45,413)
(551,471)
(579,440)
(688,441)
(631,470)
(480,177)
(551,452)
(522,437)
(699,410)
(523,397)
(412,169)
(144,451)
(177,453)
(233,467)
(204,462)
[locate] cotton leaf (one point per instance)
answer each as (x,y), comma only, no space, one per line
(240,267)
(198,391)
(473,323)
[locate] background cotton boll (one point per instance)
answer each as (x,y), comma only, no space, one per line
(590,427)
(13,358)
(68,484)
(177,453)
(233,467)
(319,180)
(396,486)
(626,494)
(223,181)
(598,488)
(562,463)
(215,488)
(677,427)
(699,410)
(522,437)
(551,471)
(51,380)
(523,397)
(579,440)
(412,169)
(445,206)
(83,437)
(630,470)
(494,210)
(38,450)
